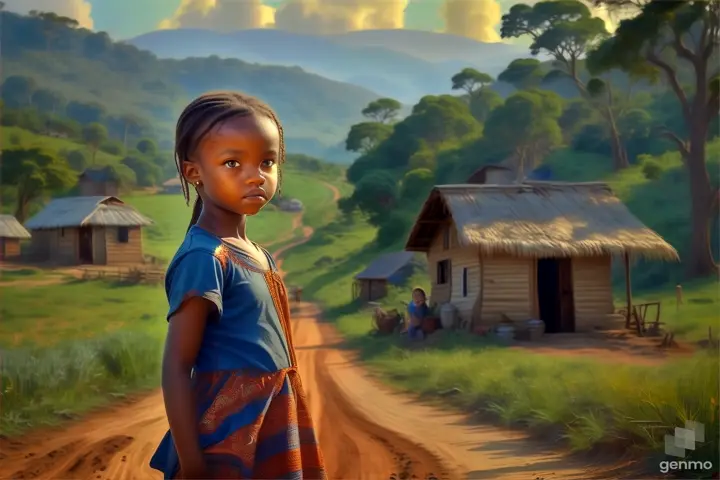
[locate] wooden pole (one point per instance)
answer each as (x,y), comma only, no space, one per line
(628,290)
(678,297)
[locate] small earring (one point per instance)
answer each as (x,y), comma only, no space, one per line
(197,183)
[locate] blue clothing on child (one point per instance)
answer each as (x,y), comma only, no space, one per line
(420,312)
(244,378)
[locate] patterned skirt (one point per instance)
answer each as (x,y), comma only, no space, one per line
(252,426)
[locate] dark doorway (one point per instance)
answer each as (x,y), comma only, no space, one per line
(86,245)
(555,294)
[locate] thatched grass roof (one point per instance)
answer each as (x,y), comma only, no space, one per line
(539,219)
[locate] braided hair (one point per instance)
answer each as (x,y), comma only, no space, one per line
(205,113)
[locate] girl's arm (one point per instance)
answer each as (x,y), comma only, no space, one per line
(182,344)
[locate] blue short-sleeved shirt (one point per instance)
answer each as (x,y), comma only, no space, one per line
(418,311)
(247,332)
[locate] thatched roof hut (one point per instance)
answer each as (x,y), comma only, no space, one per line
(11,233)
(513,241)
(92,230)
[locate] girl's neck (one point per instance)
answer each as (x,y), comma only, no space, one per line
(222,223)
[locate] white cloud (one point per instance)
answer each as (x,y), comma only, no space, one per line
(77,9)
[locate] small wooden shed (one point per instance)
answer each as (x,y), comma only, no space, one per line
(96,181)
(388,269)
(87,230)
(172,186)
(530,250)
(11,233)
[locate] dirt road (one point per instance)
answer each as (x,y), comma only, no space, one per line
(366,431)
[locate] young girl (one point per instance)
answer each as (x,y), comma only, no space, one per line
(417,310)
(233,396)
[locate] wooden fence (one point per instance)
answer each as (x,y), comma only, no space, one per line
(125,274)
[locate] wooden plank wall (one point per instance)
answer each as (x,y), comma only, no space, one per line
(460,258)
(123,253)
(508,288)
(592,285)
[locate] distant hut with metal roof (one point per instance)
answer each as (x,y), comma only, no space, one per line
(100,230)
(388,269)
(11,233)
(96,181)
(530,250)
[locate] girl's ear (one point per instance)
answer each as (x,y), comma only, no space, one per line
(191,172)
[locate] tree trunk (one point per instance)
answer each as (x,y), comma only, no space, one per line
(94,154)
(125,135)
(619,154)
(704,201)
(21,210)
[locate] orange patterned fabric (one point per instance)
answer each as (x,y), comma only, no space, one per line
(271,434)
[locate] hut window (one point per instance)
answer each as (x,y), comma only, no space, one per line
(464,282)
(446,238)
(123,235)
(443,270)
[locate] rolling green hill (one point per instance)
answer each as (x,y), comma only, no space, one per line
(90,67)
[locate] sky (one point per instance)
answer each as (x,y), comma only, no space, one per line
(478,19)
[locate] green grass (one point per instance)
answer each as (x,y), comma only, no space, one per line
(77,310)
(83,345)
(325,265)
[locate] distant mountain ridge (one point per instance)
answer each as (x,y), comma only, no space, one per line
(403,64)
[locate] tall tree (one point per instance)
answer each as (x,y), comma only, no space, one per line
(17,90)
(527,122)
(94,135)
(365,136)
(471,81)
(382,110)
(667,36)
(567,31)
(33,172)
(47,100)
(523,73)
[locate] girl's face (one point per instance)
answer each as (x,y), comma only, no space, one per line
(236,164)
(418,298)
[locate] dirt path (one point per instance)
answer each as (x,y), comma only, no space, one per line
(366,431)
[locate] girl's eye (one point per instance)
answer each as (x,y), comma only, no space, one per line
(231,164)
(268,163)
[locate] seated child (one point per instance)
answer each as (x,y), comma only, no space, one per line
(417,310)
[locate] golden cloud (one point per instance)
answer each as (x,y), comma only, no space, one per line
(220,15)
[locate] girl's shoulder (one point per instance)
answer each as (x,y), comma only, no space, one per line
(197,244)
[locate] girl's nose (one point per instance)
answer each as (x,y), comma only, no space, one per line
(255,177)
